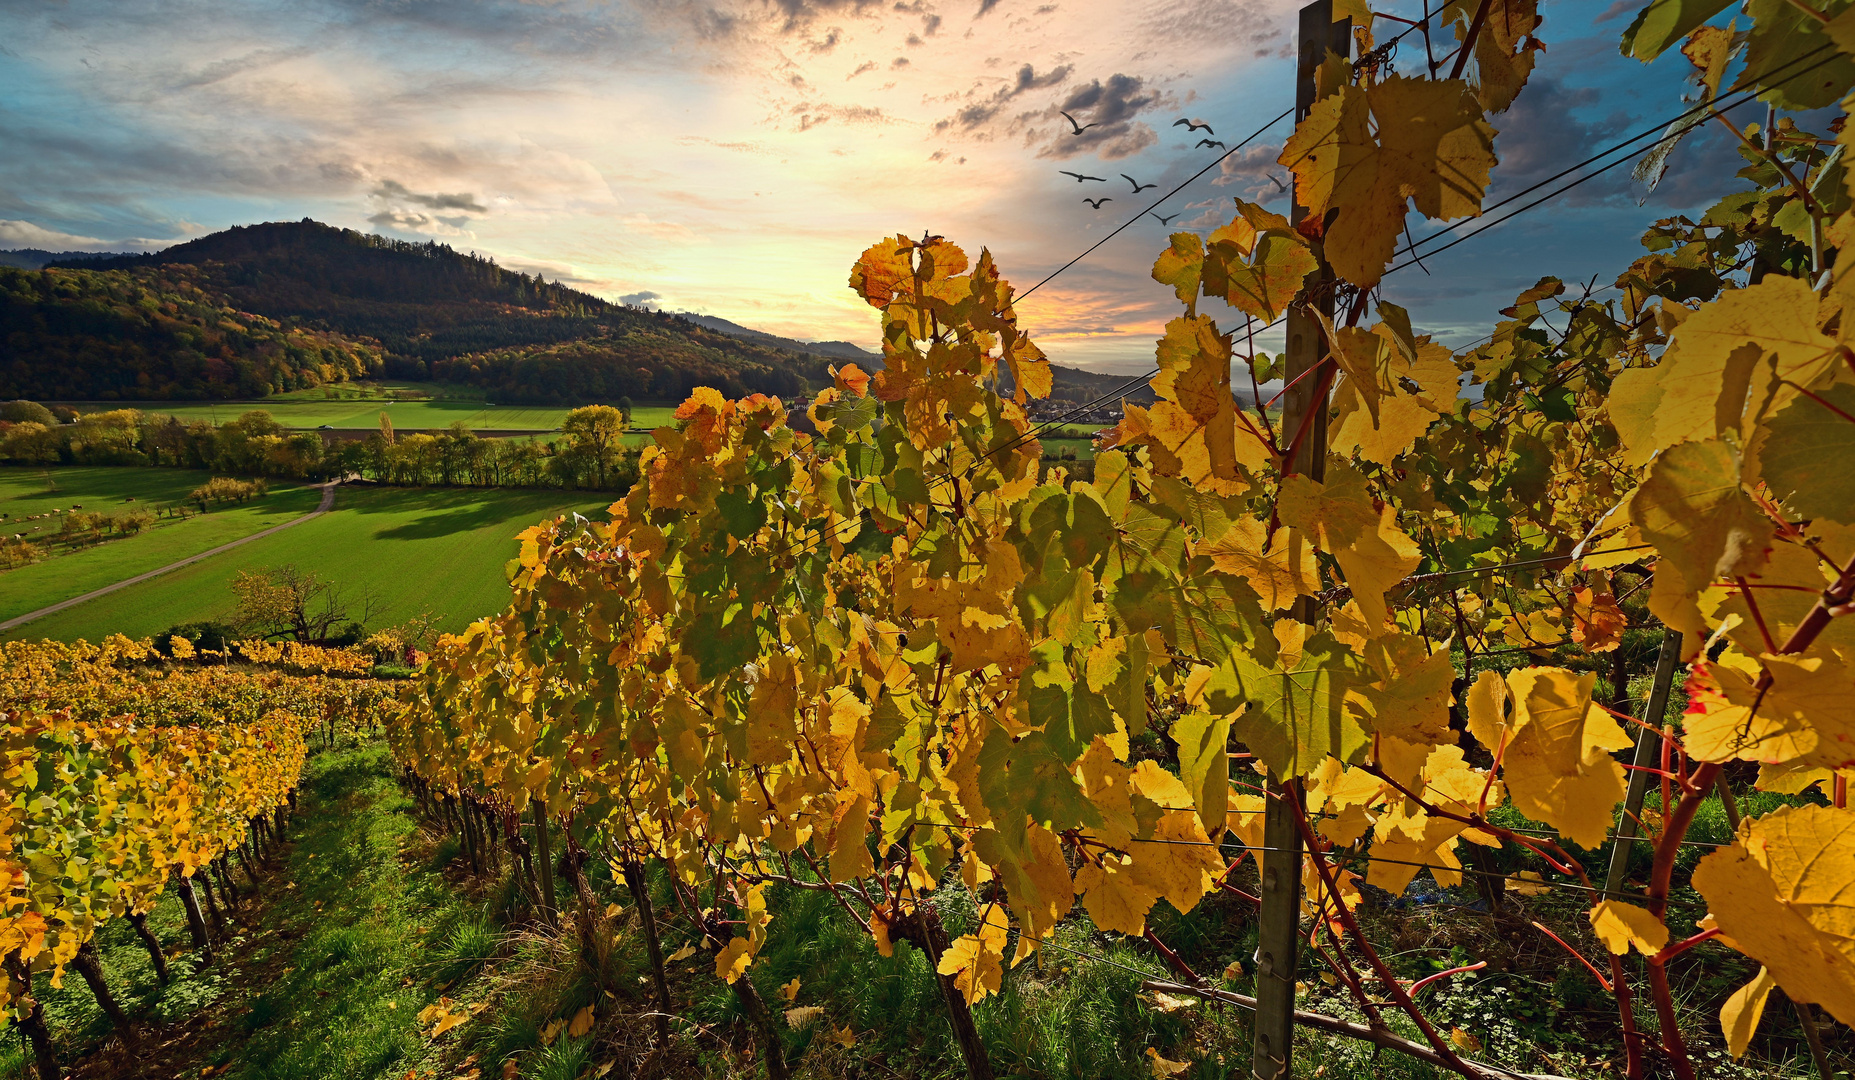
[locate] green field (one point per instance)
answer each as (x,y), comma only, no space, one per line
(352,413)
(418,549)
(64,574)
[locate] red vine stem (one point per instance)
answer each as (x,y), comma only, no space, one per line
(1385,976)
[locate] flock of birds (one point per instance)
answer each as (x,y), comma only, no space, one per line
(1188,124)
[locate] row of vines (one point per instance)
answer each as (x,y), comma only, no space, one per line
(125,772)
(897,653)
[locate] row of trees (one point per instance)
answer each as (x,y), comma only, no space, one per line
(591,453)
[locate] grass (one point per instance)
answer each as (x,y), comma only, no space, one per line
(67,572)
(440,550)
(352,413)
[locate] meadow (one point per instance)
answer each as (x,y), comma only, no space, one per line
(417,550)
(64,573)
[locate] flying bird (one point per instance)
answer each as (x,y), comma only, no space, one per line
(1279,185)
(1096,203)
(1138,186)
(1079,177)
(1211,142)
(1080,128)
(1164,220)
(1192,125)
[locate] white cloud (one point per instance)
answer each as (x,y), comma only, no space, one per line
(28,234)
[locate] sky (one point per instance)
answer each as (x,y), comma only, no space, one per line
(733,157)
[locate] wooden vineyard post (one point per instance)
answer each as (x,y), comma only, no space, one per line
(1305,406)
(1647,746)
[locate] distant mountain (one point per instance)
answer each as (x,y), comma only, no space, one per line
(837,349)
(36,258)
(1070,386)
(429,311)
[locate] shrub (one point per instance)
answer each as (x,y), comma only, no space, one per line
(200,635)
(223,489)
(17,551)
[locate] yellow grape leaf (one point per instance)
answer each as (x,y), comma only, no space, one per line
(1163,1068)
(1204,765)
(1804,454)
(1193,431)
(1619,925)
(683,953)
(1258,273)
(977,960)
(1740,1015)
(1504,52)
(1462,1040)
(1283,572)
(1725,368)
(1368,152)
(883,270)
(581,1024)
(1410,701)
(1710,49)
(804,1016)
(790,991)
(843,1036)
(1168,1003)
(1805,718)
(1181,265)
(1115,896)
(731,963)
(1556,760)
(1035,876)
(850,855)
(1362,536)
(1297,711)
(1703,524)
(1785,896)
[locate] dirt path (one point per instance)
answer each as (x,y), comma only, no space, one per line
(328,502)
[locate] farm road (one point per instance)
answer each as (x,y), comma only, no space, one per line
(328,502)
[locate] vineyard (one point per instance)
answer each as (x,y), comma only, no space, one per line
(1503,627)
(129,772)
(1299,661)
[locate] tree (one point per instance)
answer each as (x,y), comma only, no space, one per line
(598,431)
(283,601)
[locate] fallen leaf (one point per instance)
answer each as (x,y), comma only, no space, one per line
(509,1069)
(582,1023)
(1163,1068)
(803,1016)
(1462,1040)
(790,991)
(683,953)
(1172,1002)
(1528,883)
(844,1037)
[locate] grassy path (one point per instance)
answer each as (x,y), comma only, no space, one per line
(328,501)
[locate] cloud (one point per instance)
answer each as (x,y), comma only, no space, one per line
(1108,111)
(1250,169)
(411,221)
(24,234)
(977,115)
(393,189)
(639,299)
(867,65)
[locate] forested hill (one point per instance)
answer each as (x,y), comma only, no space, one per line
(262,309)
(103,328)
